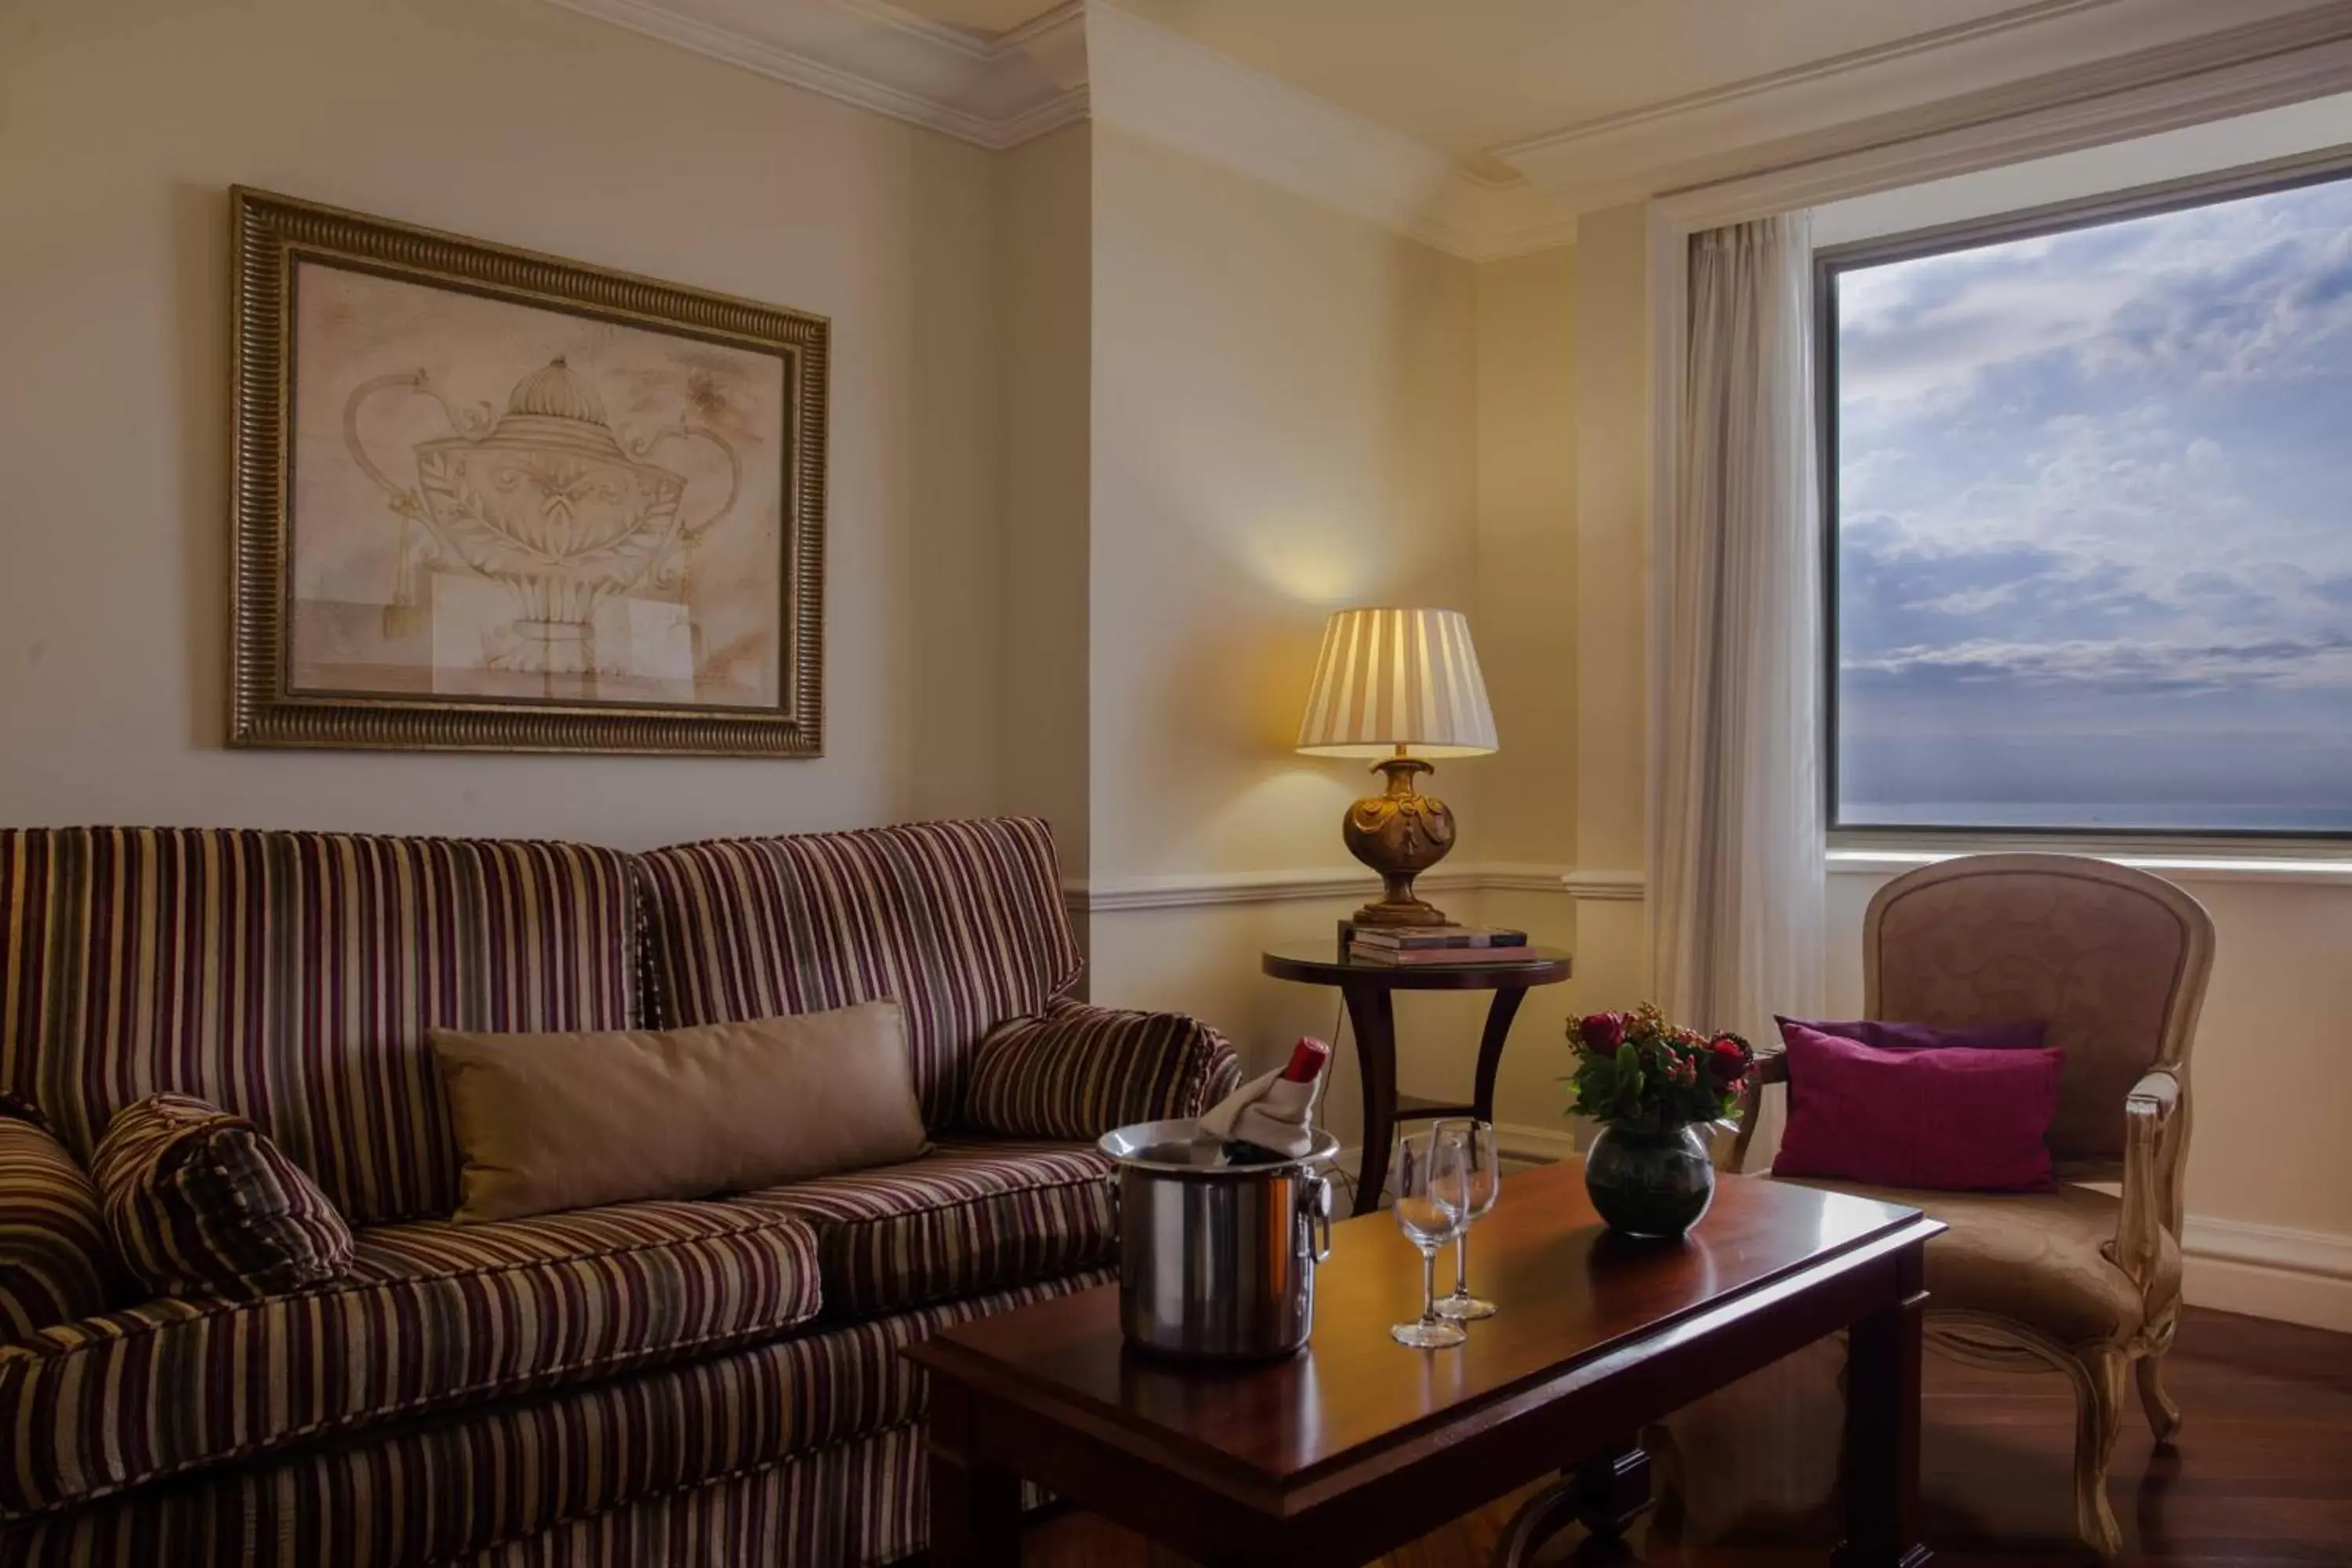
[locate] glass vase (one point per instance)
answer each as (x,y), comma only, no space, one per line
(1649,1183)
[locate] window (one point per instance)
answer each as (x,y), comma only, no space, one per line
(2090,492)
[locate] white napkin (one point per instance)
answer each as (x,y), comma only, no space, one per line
(1269,1111)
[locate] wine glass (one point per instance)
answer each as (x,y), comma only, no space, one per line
(1431,1190)
(1483,1177)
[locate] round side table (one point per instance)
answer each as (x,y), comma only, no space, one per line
(1368,989)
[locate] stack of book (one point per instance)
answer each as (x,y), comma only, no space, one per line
(1438,944)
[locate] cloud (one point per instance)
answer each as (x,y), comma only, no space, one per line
(2141,662)
(2103,475)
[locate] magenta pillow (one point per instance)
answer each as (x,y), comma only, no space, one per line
(1948,1119)
(2025,1033)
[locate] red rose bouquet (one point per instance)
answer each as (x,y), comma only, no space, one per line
(1636,1069)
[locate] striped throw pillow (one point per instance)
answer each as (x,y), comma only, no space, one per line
(54,1264)
(1079,1072)
(201,1202)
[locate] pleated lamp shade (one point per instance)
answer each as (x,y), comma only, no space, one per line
(1389,678)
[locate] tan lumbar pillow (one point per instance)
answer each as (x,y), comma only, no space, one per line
(564,1121)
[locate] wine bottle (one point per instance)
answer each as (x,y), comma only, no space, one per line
(1307,1059)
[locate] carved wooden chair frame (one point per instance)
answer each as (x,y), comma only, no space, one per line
(2157,1125)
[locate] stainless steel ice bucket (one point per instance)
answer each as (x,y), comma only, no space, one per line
(1217,1261)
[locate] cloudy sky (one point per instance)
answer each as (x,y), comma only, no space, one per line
(2095,541)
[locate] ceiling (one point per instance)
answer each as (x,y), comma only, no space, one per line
(990,16)
(1465,75)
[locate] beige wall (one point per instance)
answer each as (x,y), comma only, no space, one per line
(1283,423)
(515,122)
(1610,609)
(1046,273)
(1527,586)
(1526,480)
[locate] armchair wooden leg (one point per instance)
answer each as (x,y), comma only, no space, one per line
(2099,1403)
(2163,1414)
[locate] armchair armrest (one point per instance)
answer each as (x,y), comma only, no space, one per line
(1075,1071)
(1771,1067)
(2147,1213)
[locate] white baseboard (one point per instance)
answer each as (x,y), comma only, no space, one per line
(2268,1271)
(1534,1145)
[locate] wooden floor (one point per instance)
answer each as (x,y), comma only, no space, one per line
(2262,1476)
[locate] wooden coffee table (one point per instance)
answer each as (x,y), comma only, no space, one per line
(1357,1444)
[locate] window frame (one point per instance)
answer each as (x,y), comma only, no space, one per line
(2268,178)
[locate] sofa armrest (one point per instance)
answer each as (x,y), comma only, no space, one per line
(55,1264)
(2148,1112)
(1075,1071)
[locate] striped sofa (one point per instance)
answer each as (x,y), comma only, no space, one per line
(714,1383)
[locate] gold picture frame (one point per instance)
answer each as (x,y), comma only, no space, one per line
(489,501)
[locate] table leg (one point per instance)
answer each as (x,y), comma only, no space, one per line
(1372,1017)
(1604,1494)
(1499,1013)
(975,1504)
(1611,1490)
(1881,1479)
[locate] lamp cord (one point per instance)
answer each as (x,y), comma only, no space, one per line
(1315,1111)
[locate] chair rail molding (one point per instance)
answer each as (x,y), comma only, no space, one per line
(2206,863)
(1192,890)
(1607,886)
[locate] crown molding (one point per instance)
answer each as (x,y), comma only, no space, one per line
(2043,76)
(1080,59)
(2040,77)
(1165,87)
(2315,65)
(992,92)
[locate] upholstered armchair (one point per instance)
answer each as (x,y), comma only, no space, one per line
(2115,961)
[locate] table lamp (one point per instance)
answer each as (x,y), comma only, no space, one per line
(1402,686)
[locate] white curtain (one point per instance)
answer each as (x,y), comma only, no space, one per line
(1736,832)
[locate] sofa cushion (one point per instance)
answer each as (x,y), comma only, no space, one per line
(2038,1257)
(565,1121)
(962,922)
(290,977)
(200,1203)
(973,1216)
(55,1264)
(530,1465)
(432,1314)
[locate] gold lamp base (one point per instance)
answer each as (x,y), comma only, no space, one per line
(1400,833)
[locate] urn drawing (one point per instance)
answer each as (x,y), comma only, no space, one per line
(545,502)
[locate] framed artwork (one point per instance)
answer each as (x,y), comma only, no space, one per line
(490,500)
